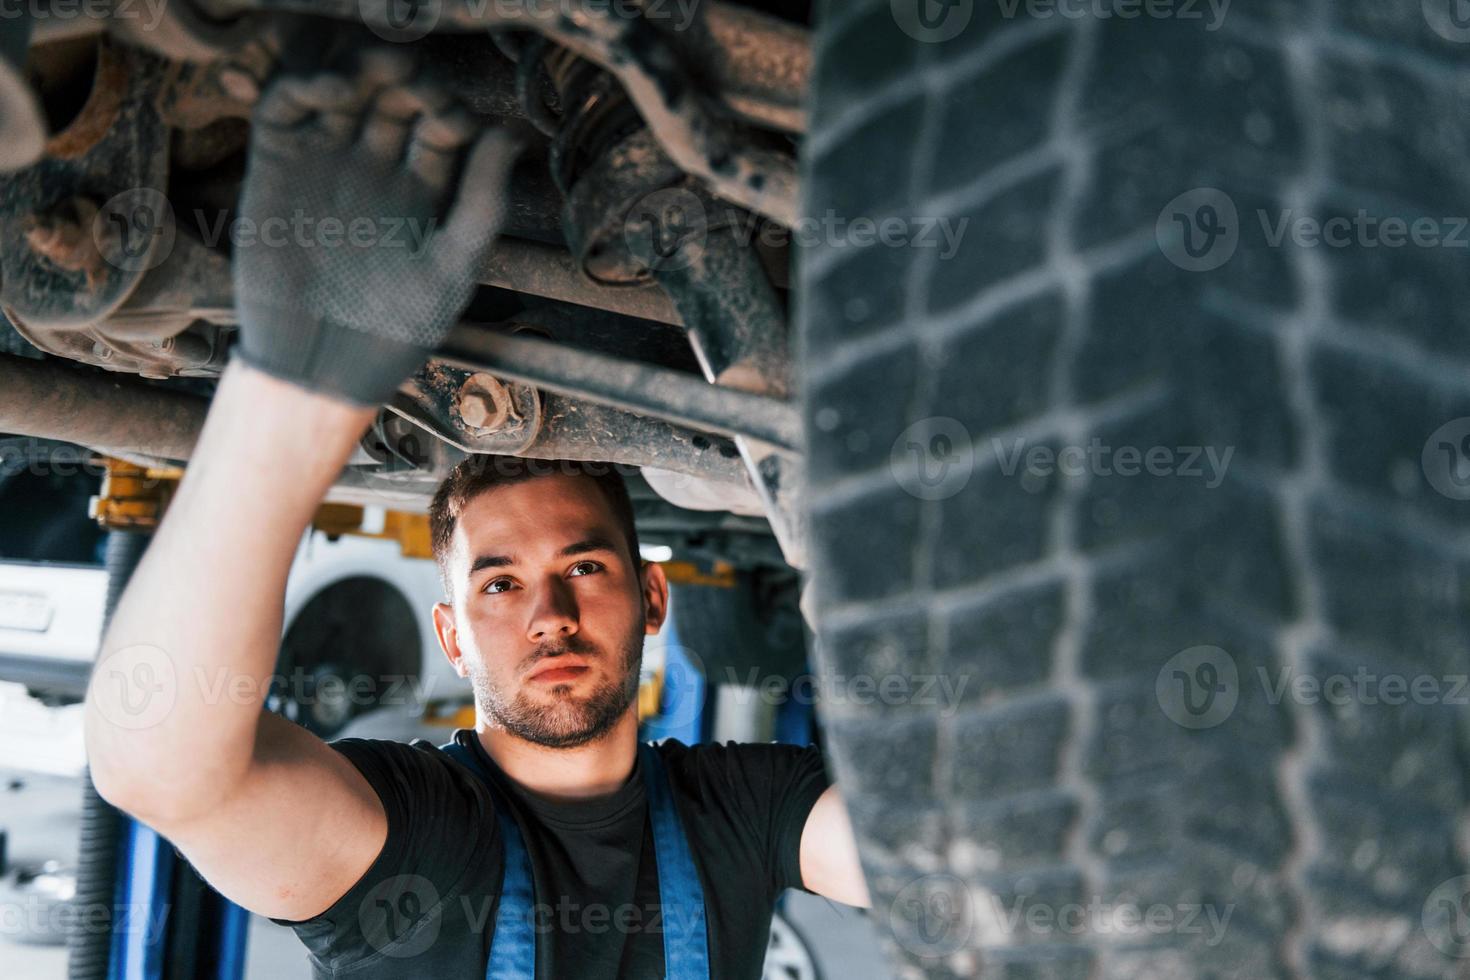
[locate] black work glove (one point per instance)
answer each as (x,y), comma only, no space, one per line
(358,248)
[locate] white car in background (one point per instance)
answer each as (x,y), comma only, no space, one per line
(358,636)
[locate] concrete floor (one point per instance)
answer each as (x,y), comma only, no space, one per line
(40,812)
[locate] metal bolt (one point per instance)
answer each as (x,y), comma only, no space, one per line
(484,402)
(63,235)
(64,238)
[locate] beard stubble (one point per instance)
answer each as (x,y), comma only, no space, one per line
(563,717)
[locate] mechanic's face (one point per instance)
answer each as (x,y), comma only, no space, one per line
(541,575)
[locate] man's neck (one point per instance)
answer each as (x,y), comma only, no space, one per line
(598,768)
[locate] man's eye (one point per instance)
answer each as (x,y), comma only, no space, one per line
(591,567)
(491,587)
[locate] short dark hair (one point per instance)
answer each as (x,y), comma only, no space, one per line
(487,471)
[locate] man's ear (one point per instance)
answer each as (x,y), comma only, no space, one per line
(655,597)
(448,632)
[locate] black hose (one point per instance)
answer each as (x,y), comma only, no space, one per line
(88,942)
(531,84)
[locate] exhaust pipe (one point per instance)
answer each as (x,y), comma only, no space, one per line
(115,415)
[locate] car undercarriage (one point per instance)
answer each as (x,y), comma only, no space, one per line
(634,310)
(1101,363)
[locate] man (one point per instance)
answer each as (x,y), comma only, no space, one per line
(389,859)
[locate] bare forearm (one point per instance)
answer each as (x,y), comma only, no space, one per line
(183,670)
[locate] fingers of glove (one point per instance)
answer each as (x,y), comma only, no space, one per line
(380,66)
(326,92)
(324,101)
(446,131)
(437,141)
(386,131)
(339,127)
(479,205)
(280,107)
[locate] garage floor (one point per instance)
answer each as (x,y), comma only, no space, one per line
(41,814)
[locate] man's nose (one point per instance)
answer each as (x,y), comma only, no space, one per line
(555,613)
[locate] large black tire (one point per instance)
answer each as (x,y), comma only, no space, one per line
(1123,741)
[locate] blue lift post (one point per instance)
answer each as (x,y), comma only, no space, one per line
(168,923)
(684,702)
(164,922)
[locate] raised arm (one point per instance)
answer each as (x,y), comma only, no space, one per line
(175,728)
(177,692)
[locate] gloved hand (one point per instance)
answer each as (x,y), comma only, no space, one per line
(358,248)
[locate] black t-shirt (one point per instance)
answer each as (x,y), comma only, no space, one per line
(426,907)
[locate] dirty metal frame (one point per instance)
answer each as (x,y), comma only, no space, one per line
(739,342)
(474,411)
(633,386)
(632,50)
(129,418)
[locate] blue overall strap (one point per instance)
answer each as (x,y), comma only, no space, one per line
(681,896)
(513,947)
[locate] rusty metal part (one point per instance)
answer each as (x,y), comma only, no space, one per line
(63,237)
(579,429)
(643,60)
(114,154)
(739,333)
(552,272)
(443,399)
(762,66)
(133,497)
(50,401)
(544,425)
(170,325)
(620,383)
(630,216)
(179,29)
(759,66)
(22,125)
(116,72)
(735,321)
(484,403)
(175,322)
(196,95)
(127,418)
(605,194)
